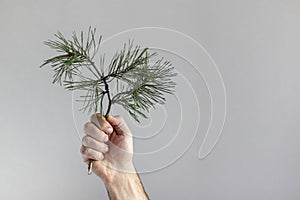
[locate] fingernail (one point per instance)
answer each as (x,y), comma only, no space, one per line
(106,139)
(106,149)
(110,130)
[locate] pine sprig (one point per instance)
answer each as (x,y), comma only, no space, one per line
(127,59)
(146,85)
(75,54)
(141,83)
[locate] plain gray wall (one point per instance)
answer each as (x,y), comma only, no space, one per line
(256,46)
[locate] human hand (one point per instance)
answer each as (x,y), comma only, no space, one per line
(109,143)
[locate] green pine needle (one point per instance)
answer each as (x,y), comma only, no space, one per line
(140,84)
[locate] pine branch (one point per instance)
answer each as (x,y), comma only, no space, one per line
(127,59)
(146,85)
(75,55)
(140,83)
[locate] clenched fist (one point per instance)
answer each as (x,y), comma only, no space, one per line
(109,143)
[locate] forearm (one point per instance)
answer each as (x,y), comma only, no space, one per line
(126,186)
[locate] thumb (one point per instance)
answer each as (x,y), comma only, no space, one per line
(119,125)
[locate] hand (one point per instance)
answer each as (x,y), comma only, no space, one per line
(109,143)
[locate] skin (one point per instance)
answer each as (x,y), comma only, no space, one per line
(109,143)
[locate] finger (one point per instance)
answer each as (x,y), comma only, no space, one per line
(99,166)
(90,154)
(101,123)
(91,143)
(119,125)
(91,130)
(86,160)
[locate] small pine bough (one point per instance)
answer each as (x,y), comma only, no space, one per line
(141,82)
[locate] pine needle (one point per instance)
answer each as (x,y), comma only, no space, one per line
(141,81)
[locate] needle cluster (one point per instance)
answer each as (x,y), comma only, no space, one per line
(141,82)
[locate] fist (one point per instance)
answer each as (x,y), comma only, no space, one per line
(108,142)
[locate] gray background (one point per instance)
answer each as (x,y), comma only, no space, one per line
(254,43)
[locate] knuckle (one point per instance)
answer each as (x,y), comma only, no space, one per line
(83,150)
(83,138)
(93,116)
(86,141)
(86,126)
(86,151)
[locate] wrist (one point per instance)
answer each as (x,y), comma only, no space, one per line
(115,176)
(119,180)
(126,185)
